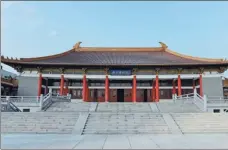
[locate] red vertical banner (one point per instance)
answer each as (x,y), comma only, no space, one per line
(106,89)
(179,85)
(157,89)
(62,85)
(84,88)
(134,95)
(153,92)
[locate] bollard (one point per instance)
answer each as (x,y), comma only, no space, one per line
(41,101)
(205,103)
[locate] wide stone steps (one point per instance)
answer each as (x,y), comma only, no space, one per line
(38,122)
(178,107)
(128,107)
(69,107)
(202,122)
(123,107)
(123,123)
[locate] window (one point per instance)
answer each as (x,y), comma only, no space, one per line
(79,93)
(114,93)
(91,93)
(162,92)
(216,110)
(74,92)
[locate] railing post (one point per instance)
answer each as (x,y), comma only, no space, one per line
(195,94)
(41,101)
(175,98)
(205,103)
(7,98)
(50,93)
(8,102)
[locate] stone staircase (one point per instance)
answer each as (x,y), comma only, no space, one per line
(191,123)
(163,107)
(178,107)
(115,118)
(125,123)
(38,122)
(69,107)
(123,107)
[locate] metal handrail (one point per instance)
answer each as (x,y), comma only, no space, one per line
(217,97)
(43,101)
(15,108)
(186,95)
(21,99)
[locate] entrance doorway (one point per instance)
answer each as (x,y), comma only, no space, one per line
(120,95)
(145,95)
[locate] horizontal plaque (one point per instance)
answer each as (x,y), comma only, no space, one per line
(120,72)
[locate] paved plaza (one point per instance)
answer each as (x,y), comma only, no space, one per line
(70,141)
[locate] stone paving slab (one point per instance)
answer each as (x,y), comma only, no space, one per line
(142,142)
(64,141)
(91,142)
(117,142)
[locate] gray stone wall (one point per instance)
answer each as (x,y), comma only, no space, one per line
(212,86)
(28,86)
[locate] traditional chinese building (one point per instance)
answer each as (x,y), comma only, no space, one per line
(225,87)
(119,74)
(9,83)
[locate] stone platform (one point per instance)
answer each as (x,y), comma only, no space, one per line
(69,141)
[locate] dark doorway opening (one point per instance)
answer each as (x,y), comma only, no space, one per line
(145,95)
(95,95)
(26,110)
(120,95)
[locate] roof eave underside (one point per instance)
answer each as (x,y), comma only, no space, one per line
(71,64)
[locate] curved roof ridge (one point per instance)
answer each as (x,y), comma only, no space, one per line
(123,49)
(47,57)
(194,57)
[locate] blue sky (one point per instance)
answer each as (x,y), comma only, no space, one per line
(31,29)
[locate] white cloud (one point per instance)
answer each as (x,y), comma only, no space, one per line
(53,33)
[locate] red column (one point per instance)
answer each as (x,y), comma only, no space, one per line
(40,84)
(153,91)
(201,85)
(62,85)
(157,89)
(134,89)
(174,87)
(106,89)
(87,92)
(84,97)
(179,85)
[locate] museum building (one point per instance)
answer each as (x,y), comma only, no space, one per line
(119,74)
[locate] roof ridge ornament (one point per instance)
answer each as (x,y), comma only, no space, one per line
(163,45)
(77,45)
